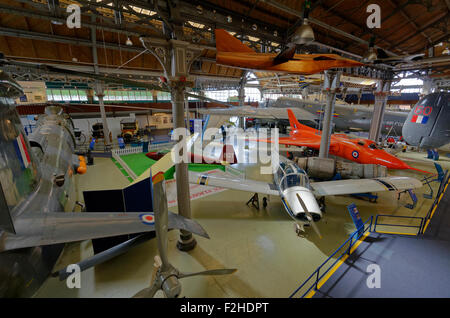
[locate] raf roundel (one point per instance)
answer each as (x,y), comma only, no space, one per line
(355,154)
(147,218)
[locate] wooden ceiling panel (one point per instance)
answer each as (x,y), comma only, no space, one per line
(4,46)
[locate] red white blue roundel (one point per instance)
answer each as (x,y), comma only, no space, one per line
(147,218)
(355,154)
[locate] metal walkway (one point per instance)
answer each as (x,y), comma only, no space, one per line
(409,266)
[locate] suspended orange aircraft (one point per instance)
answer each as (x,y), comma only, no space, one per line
(232,52)
(364,151)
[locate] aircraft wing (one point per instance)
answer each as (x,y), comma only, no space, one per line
(256,112)
(351,186)
(163,164)
(216,120)
(233,183)
(37,229)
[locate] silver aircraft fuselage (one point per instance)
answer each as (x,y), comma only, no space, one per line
(29,169)
(347,117)
(293,184)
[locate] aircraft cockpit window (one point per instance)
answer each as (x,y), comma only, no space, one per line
(293,180)
(361,143)
(289,170)
(373,146)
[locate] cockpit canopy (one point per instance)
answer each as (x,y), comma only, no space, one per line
(368,143)
(290,175)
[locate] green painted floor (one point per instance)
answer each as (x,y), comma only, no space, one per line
(271,260)
(138,162)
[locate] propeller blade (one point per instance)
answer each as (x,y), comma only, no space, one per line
(105,255)
(313,224)
(223,271)
(161,217)
(309,216)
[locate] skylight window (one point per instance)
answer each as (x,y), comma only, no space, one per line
(143,11)
(196,25)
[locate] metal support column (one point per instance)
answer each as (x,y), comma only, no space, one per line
(99,92)
(99,88)
(330,86)
(241,90)
(381,96)
(427,86)
(187,241)
(176,58)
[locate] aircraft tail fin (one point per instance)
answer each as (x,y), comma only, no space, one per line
(6,222)
(295,125)
(225,42)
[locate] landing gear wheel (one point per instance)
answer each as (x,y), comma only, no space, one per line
(321,202)
(299,230)
(265,202)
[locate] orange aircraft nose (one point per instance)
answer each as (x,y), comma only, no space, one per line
(392,162)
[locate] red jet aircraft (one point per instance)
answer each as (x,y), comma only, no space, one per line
(364,151)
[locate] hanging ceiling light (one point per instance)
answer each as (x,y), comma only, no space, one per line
(129,42)
(304,34)
(446,51)
(371,54)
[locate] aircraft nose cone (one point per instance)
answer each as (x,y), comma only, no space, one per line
(392,162)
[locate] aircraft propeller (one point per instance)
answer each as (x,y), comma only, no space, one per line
(163,221)
(167,276)
(309,216)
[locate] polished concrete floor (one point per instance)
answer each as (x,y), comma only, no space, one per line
(271,259)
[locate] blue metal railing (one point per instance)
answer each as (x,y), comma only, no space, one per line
(444,181)
(419,227)
(350,241)
(361,231)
